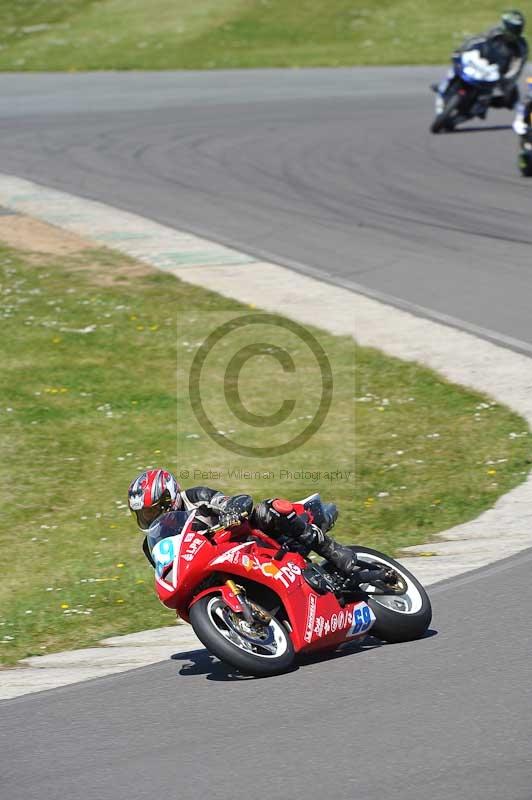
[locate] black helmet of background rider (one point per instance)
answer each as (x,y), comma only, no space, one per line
(513,23)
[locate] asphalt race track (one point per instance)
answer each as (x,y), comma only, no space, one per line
(444,717)
(331,169)
(335,172)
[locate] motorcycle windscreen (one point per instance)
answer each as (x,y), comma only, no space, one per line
(169,524)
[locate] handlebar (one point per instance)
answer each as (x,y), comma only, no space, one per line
(208,532)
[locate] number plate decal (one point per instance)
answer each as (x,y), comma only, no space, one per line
(164,553)
(363,619)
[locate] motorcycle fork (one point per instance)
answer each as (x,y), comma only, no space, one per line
(246,609)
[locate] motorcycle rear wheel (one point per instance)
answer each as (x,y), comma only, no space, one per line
(265,649)
(400,617)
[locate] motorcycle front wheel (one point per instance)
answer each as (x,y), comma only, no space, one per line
(260,648)
(446,120)
(405,613)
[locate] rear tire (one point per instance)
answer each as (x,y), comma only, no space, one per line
(445,120)
(218,628)
(400,618)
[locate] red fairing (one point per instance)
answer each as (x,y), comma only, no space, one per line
(317,621)
(230,598)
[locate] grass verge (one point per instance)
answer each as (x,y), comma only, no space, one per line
(91,395)
(207,34)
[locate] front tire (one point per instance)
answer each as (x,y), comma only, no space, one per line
(446,120)
(400,617)
(261,650)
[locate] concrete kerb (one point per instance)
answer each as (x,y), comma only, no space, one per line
(460,357)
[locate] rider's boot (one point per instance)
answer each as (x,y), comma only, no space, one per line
(279,517)
(344,559)
(337,554)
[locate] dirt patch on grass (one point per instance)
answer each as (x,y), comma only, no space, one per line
(108,272)
(40,240)
(35,236)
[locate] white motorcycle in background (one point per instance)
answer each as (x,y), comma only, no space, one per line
(467,91)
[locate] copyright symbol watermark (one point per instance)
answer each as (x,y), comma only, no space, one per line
(288,349)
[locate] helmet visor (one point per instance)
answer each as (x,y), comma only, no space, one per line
(147,516)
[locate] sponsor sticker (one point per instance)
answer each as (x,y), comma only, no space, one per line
(193,547)
(311,616)
(359,620)
(287,574)
(232,555)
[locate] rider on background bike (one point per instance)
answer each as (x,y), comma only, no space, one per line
(522,124)
(154,493)
(504,45)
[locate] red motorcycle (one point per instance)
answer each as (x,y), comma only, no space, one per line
(256,603)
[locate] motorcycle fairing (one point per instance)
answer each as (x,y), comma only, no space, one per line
(316,621)
(475,69)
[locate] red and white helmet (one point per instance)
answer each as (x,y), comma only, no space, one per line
(151,494)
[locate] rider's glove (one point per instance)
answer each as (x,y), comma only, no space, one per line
(230,518)
(218,502)
(240,505)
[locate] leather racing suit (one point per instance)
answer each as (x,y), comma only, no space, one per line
(497,47)
(277,518)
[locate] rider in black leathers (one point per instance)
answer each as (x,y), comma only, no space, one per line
(506,46)
(158,490)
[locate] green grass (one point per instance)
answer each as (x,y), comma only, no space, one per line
(91,395)
(206,34)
